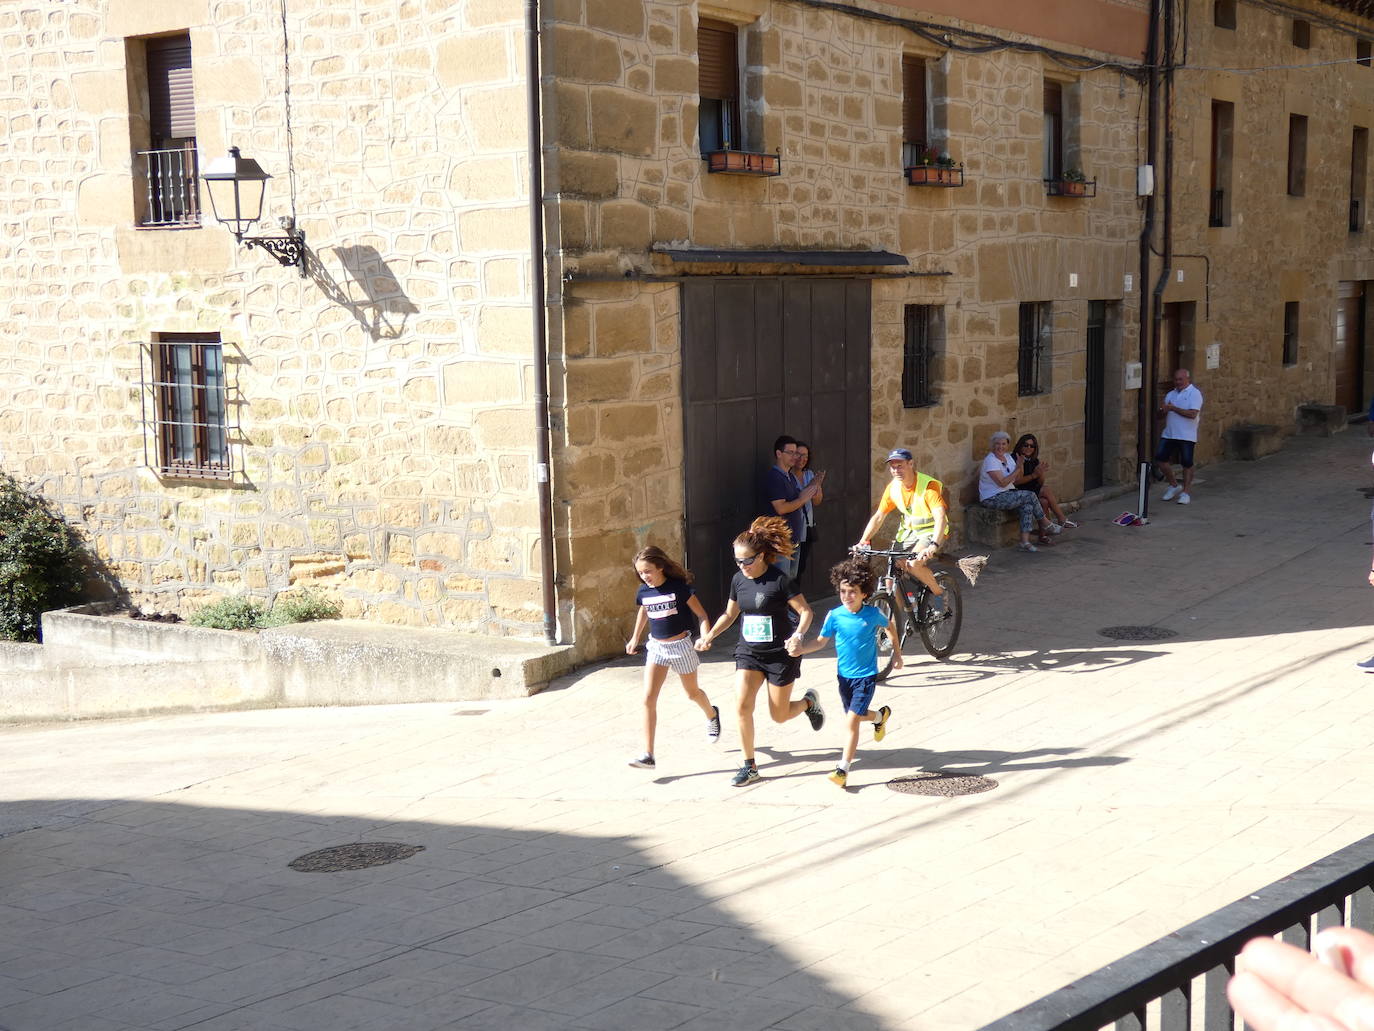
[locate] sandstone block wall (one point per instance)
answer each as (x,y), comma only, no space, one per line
(384,435)
(1277,248)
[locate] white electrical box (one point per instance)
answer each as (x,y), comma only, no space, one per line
(1133,375)
(1073,280)
(1128,283)
(1214,356)
(1145,181)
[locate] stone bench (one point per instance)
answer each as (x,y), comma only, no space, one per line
(1248,441)
(1316,420)
(991,527)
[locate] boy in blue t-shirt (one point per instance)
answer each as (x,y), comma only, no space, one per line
(855,627)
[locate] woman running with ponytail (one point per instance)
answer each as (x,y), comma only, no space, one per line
(765,596)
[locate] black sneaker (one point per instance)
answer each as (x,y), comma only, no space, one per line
(644,762)
(713,727)
(748,773)
(814,712)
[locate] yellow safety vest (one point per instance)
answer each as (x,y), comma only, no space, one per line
(918,520)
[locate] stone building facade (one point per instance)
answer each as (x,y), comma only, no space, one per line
(380,411)
(1268,298)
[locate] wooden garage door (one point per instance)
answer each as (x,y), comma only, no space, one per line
(763,357)
(1349,346)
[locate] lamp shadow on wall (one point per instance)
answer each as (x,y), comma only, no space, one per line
(370,292)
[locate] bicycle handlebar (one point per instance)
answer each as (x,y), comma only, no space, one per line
(879,553)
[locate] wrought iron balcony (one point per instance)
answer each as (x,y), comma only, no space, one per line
(1070,188)
(1332,891)
(173,199)
(935,175)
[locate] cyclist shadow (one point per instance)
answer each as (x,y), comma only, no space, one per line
(963,669)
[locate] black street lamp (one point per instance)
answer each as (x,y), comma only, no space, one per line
(236,185)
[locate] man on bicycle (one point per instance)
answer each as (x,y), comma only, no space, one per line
(925,522)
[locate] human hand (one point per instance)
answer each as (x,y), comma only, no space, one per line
(897,660)
(1371,578)
(703,644)
(631,647)
(794,644)
(1281,988)
(820,478)
(1044,467)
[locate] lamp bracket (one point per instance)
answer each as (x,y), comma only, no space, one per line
(288,250)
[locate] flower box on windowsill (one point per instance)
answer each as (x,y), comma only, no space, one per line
(1070,188)
(935,175)
(743,162)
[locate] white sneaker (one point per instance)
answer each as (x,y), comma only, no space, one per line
(1056,528)
(1183,499)
(1172,492)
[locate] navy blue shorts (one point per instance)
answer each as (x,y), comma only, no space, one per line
(1180,451)
(857,692)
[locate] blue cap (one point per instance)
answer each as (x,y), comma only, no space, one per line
(898,454)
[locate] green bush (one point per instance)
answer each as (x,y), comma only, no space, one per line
(241,613)
(302,607)
(42,562)
(236,613)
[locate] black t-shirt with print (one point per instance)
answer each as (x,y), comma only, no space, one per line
(666,605)
(764,619)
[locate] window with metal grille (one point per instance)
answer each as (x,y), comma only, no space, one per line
(169,166)
(1033,351)
(718,121)
(1297,155)
(915,111)
(1291,316)
(922,332)
(186,394)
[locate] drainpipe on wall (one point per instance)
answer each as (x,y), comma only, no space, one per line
(1166,59)
(541,342)
(1144,423)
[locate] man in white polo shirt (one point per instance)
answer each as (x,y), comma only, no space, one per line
(1182,409)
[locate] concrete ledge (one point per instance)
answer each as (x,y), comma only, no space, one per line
(93,665)
(349,662)
(992,527)
(1248,441)
(1316,420)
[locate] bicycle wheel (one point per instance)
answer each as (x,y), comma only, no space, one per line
(940,631)
(883,603)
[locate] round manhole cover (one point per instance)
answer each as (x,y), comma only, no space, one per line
(353,857)
(1138,633)
(947,785)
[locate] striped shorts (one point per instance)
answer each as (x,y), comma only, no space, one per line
(680,656)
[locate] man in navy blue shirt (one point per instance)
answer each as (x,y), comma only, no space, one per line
(783,497)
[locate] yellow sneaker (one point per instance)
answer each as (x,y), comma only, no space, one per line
(880,728)
(839,777)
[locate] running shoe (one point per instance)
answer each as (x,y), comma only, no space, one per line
(880,728)
(713,727)
(839,777)
(1367,665)
(814,712)
(644,762)
(1184,498)
(1171,493)
(748,773)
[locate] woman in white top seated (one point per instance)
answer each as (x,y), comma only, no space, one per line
(998,487)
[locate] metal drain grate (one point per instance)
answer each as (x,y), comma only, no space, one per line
(359,856)
(1138,633)
(947,785)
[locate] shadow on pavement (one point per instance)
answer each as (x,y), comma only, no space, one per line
(150,915)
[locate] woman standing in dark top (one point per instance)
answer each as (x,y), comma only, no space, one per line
(763,597)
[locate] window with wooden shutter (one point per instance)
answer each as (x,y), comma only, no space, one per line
(718,86)
(1054,130)
(915,113)
(171,98)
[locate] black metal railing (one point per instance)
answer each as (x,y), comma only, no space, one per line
(1217,215)
(1070,188)
(173,195)
(1332,891)
(1355,223)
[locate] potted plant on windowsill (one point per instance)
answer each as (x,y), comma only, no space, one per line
(1073,183)
(934,168)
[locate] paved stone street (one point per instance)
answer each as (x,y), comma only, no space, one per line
(144,881)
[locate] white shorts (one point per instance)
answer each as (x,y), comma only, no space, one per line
(680,656)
